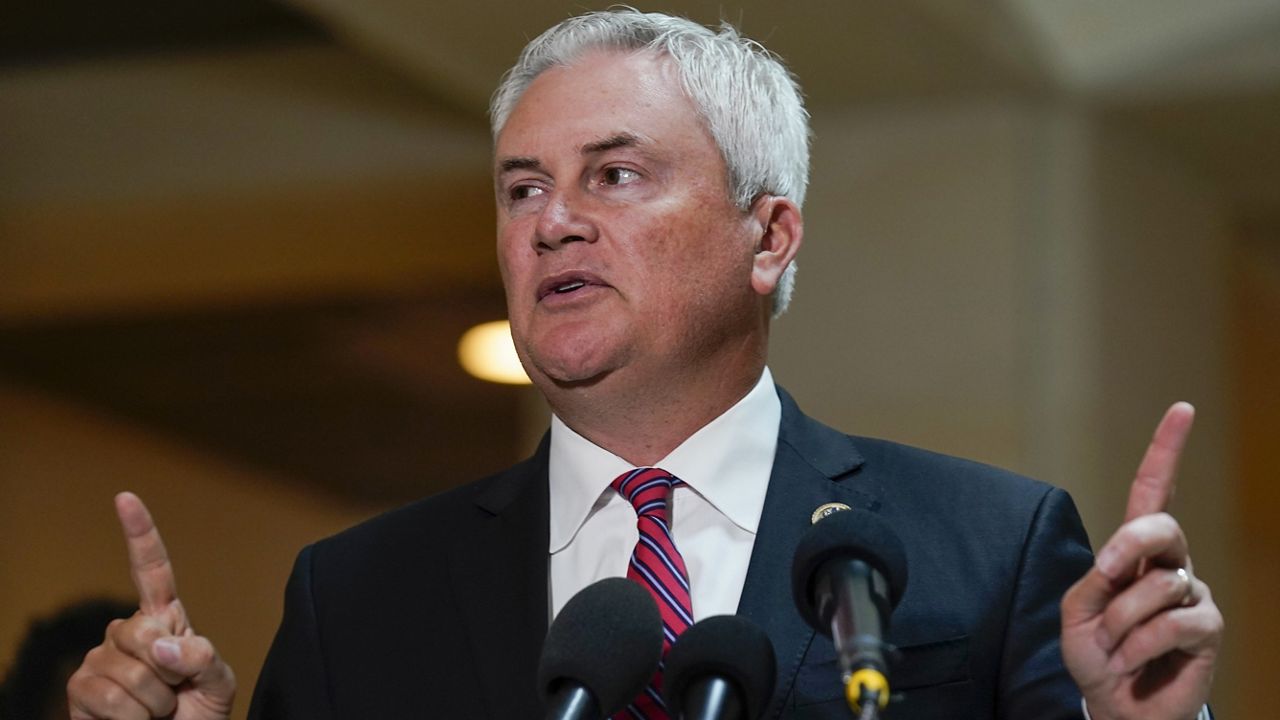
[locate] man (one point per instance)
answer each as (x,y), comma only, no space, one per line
(649,175)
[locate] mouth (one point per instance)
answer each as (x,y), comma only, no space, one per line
(567,284)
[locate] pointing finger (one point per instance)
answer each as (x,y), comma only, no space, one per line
(148,559)
(1153,486)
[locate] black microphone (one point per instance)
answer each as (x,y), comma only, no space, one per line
(849,572)
(721,668)
(600,651)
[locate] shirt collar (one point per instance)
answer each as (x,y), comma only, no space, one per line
(728,462)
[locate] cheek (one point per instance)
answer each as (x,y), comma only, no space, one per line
(512,260)
(703,279)
(718,254)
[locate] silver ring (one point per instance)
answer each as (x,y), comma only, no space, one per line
(1187,595)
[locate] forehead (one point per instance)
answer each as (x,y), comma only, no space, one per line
(602,94)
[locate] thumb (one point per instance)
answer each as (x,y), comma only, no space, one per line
(194,657)
(1087,599)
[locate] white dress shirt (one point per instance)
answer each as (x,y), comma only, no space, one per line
(725,467)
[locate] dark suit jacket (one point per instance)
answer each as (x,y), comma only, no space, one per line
(438,609)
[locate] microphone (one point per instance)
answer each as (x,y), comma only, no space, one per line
(600,651)
(848,574)
(721,668)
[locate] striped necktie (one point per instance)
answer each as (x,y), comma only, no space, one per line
(657,565)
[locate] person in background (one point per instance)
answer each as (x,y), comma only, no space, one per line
(35,687)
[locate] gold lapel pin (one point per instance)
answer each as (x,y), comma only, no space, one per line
(826,510)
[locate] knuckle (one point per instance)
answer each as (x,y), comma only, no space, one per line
(1167,526)
(114,697)
(140,632)
(1127,534)
(168,705)
(115,629)
(201,652)
(1116,610)
(1217,624)
(1210,618)
(1203,591)
(1161,525)
(128,636)
(1139,642)
(77,681)
(122,626)
(136,675)
(1165,625)
(97,658)
(1132,537)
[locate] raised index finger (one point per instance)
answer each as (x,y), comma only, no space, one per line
(148,559)
(1153,486)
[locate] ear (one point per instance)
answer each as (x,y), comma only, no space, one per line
(781,229)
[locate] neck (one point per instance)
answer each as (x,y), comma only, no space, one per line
(643,420)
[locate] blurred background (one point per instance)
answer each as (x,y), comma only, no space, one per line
(239,242)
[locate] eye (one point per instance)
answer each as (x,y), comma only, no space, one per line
(619,176)
(522,192)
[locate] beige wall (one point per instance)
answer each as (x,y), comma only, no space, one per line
(905,318)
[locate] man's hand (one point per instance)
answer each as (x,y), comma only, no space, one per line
(1140,633)
(153,664)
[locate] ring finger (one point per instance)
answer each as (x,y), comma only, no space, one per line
(1157,590)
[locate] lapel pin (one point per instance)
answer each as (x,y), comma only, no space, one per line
(825,510)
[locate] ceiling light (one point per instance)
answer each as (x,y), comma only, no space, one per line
(486,351)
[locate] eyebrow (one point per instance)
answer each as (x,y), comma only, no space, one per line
(610,143)
(592,148)
(519,163)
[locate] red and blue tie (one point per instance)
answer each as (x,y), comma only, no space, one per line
(659,568)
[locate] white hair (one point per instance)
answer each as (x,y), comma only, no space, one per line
(749,100)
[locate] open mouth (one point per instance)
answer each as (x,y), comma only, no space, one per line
(569,287)
(567,283)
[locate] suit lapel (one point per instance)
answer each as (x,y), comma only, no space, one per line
(499,564)
(812,466)
(499,577)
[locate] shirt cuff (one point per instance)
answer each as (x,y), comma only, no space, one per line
(1204,711)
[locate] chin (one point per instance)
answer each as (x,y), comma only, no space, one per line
(565,373)
(582,384)
(575,354)
(575,364)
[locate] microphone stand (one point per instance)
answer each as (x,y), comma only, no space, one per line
(870,703)
(712,698)
(572,701)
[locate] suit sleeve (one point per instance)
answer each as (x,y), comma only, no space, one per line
(294,684)
(1034,682)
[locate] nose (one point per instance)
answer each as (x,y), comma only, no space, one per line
(564,220)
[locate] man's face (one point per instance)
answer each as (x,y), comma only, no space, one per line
(620,249)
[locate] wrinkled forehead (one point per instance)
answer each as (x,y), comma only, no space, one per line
(660,70)
(601,94)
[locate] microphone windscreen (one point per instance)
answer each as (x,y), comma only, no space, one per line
(849,534)
(726,646)
(608,638)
